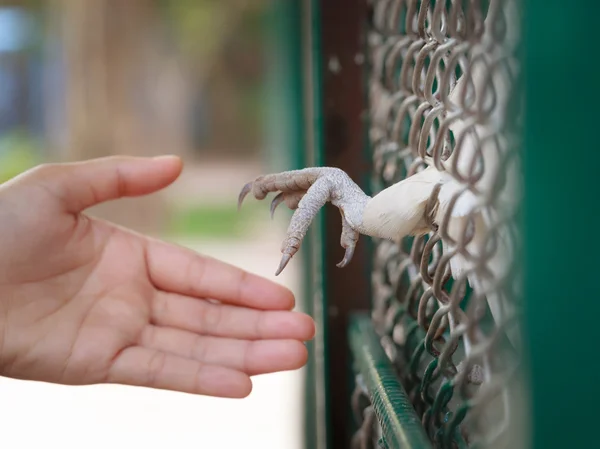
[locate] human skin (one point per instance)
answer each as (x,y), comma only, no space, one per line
(83,301)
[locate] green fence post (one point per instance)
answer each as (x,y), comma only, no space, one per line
(336,115)
(561,212)
(316,416)
(285,131)
(291,146)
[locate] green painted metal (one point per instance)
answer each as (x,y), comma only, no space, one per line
(399,423)
(317,234)
(336,28)
(561,212)
(286,141)
(317,406)
(291,146)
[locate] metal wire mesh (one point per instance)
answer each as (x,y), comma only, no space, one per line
(442,93)
(368,435)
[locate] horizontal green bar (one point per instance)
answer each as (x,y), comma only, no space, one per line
(400,425)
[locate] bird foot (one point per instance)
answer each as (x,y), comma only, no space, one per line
(306,192)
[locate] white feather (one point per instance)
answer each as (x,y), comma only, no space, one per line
(398,210)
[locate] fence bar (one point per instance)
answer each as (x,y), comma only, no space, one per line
(400,425)
(339,28)
(561,215)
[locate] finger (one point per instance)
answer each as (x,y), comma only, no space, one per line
(179,270)
(222,320)
(146,367)
(80,185)
(250,357)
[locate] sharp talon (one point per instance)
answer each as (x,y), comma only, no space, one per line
(245,190)
(347,257)
(276,202)
(284,261)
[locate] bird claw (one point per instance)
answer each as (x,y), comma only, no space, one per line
(243,193)
(314,187)
(284,261)
(347,257)
(280,198)
(348,241)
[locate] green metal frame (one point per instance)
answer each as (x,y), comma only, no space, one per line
(316,417)
(330,419)
(561,203)
(400,424)
(316,414)
(295,129)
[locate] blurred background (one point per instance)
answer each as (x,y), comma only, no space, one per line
(204,79)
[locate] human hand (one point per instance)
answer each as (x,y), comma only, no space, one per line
(83,301)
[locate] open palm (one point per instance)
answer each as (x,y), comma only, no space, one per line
(83,301)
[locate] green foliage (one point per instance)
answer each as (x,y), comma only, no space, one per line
(18,152)
(222,44)
(199,27)
(214,220)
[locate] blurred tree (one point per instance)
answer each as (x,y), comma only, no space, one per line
(146,77)
(119,89)
(124,92)
(223,44)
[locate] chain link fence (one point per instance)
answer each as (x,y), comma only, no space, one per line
(442,92)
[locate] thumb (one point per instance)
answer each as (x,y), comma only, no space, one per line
(80,185)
